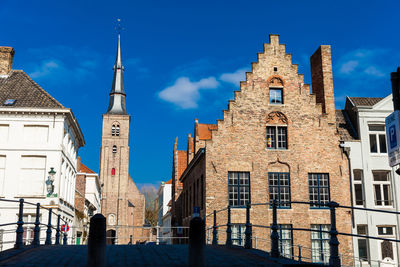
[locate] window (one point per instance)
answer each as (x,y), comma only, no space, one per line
(239,188)
(114,149)
(115,130)
(358,188)
(4,133)
(377,138)
(285,240)
(381,183)
(319,189)
(113,171)
(362,242)
(386,247)
(277,137)
(32,175)
(385,230)
(2,173)
(279,188)
(320,243)
(275,96)
(238,234)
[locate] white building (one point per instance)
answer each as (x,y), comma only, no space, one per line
(37,134)
(374,184)
(164,212)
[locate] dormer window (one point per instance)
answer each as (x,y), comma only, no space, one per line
(114,150)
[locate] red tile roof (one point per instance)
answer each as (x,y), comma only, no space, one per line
(182,163)
(85,169)
(205,130)
(169,181)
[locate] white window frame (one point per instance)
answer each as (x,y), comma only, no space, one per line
(377,134)
(360,183)
(381,184)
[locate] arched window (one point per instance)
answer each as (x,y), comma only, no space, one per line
(115,129)
(113,171)
(277,136)
(114,149)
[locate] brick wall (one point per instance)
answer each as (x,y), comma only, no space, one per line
(239,144)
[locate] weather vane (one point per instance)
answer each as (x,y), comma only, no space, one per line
(119,27)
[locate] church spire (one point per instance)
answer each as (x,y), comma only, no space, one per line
(117,94)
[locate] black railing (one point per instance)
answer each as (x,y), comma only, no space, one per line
(334,256)
(19,237)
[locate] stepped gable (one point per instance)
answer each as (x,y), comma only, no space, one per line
(28,94)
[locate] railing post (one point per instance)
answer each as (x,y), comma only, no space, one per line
(334,259)
(36,230)
(299,253)
(228,242)
(255,242)
(215,233)
(197,238)
(20,223)
(58,230)
(65,239)
(248,232)
(48,231)
(274,235)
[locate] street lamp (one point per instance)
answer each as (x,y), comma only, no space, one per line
(50,181)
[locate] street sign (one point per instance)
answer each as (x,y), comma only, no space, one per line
(65,228)
(393,137)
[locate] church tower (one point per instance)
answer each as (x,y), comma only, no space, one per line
(122,204)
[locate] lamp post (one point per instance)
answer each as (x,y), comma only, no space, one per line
(50,181)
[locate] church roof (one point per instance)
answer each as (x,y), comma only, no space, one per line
(18,86)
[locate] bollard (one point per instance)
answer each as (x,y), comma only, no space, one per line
(197,238)
(96,256)
(58,230)
(229,229)
(48,231)
(248,231)
(299,253)
(334,259)
(36,230)
(215,232)
(274,235)
(20,229)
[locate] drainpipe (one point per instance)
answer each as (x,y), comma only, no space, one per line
(346,150)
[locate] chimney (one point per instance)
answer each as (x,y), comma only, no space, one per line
(6,59)
(322,81)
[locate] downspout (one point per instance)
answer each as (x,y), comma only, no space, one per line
(346,150)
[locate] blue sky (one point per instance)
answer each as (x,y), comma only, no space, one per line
(184,59)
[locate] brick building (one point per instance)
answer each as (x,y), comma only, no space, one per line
(122,204)
(276,141)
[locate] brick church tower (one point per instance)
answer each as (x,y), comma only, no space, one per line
(122,204)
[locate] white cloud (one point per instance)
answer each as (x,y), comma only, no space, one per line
(46,67)
(185,93)
(373,71)
(234,77)
(349,66)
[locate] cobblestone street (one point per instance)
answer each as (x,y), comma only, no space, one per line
(136,255)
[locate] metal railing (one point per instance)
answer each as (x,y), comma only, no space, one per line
(334,256)
(19,231)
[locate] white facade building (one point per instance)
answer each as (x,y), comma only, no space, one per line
(164,195)
(37,133)
(374,184)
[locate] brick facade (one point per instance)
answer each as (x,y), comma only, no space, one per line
(122,203)
(238,143)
